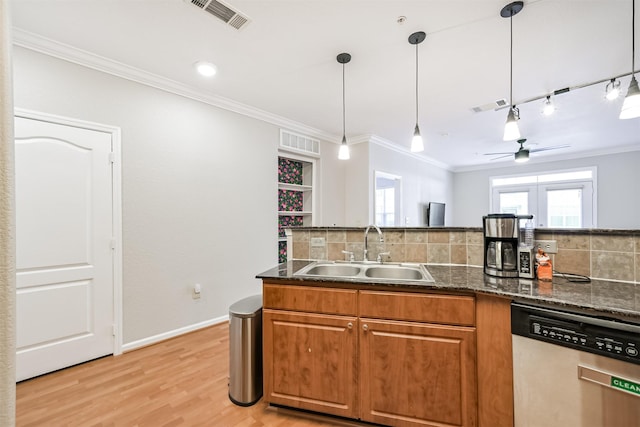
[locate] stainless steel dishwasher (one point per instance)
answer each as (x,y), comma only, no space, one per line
(574,370)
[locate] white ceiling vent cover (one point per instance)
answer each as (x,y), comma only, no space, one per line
(495,105)
(300,143)
(222,11)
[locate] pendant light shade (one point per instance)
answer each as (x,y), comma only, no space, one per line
(631,105)
(417,144)
(343,152)
(511,130)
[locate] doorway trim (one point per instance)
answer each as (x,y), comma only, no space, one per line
(116,195)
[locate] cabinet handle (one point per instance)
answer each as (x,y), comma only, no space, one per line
(365,327)
(350,325)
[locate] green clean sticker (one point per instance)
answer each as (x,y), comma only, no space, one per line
(626,385)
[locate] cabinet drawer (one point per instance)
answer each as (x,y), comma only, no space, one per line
(429,308)
(311,299)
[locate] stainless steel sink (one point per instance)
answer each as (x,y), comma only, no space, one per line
(366,271)
(394,272)
(340,270)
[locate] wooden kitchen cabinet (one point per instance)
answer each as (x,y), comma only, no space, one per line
(394,358)
(425,358)
(417,359)
(416,374)
(310,357)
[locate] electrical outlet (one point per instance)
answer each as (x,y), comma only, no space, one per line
(549,246)
(317,241)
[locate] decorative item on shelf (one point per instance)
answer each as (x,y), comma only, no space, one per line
(343,152)
(631,105)
(417,144)
(289,171)
(511,130)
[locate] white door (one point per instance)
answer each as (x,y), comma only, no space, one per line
(64,238)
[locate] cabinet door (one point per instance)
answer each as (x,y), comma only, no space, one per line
(310,361)
(417,374)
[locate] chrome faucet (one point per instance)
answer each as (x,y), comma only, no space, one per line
(366,242)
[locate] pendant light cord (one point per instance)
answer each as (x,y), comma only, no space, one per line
(633,36)
(511,61)
(343,105)
(417,84)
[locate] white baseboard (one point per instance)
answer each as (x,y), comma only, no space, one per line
(174,333)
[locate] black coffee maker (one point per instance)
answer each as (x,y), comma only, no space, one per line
(501,233)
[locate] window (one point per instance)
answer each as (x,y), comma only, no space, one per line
(560,199)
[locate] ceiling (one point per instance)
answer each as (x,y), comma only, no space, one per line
(284,62)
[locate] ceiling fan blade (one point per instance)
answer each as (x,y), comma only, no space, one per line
(555,147)
(502,157)
(495,154)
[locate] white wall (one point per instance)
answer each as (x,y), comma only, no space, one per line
(358,187)
(7,230)
(331,187)
(199,191)
(422,182)
(618,178)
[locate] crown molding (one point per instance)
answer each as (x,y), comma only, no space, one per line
(87,59)
(377,140)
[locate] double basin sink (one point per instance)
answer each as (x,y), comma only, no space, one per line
(366,271)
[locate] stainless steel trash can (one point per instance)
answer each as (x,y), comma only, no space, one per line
(245,351)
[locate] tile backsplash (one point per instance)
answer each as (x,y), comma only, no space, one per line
(599,254)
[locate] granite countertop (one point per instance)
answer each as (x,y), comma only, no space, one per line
(598,297)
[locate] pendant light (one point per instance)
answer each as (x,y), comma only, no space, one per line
(511,130)
(631,105)
(343,153)
(417,145)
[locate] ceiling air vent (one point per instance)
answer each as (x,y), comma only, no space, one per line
(223,12)
(495,105)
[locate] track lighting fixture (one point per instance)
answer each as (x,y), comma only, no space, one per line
(548,107)
(631,105)
(511,130)
(417,144)
(612,91)
(343,152)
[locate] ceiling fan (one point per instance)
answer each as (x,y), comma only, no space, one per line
(522,155)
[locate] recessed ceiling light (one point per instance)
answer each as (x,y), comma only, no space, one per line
(205,68)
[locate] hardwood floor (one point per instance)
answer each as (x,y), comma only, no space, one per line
(179,382)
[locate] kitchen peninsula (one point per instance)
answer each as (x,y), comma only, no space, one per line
(404,354)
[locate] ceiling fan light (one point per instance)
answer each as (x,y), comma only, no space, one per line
(631,105)
(343,152)
(511,130)
(417,144)
(522,156)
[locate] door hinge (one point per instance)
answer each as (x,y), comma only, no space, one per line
(114,329)
(113,243)
(112,157)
